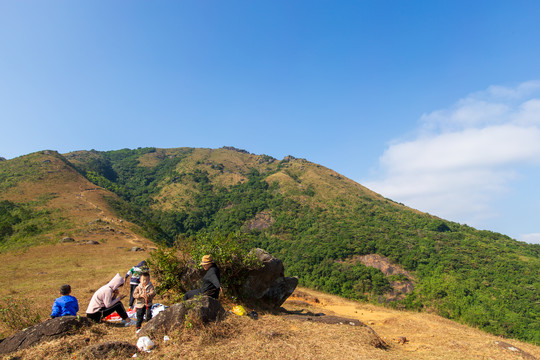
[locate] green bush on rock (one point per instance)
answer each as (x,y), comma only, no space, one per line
(175,267)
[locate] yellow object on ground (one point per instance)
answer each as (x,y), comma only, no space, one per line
(239,310)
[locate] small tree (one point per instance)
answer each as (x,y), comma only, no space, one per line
(169,267)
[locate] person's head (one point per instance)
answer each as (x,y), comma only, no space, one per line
(145,278)
(207,262)
(65,290)
(116,282)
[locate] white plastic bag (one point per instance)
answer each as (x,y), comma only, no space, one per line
(145,344)
(157,308)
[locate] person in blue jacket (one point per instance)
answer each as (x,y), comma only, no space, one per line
(65,304)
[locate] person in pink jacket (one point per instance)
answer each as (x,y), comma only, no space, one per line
(107,300)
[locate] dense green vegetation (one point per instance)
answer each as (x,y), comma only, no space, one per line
(21,223)
(174,273)
(119,172)
(481,278)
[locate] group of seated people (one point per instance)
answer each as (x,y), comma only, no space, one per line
(107,299)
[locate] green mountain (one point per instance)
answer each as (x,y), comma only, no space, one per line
(334,234)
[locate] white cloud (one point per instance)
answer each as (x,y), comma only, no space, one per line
(528,114)
(502,92)
(533,238)
(466,156)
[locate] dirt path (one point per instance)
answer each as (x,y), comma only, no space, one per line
(132,237)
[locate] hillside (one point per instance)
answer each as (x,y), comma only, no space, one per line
(336,235)
(43,199)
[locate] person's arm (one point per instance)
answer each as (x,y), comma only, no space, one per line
(56,311)
(151,293)
(109,299)
(136,293)
(213,278)
(76,305)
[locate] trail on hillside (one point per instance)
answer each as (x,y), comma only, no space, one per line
(133,238)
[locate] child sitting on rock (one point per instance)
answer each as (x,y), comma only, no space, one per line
(65,304)
(144,294)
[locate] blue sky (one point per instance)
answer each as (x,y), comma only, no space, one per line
(431,103)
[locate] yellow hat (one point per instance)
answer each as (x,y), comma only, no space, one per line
(206,259)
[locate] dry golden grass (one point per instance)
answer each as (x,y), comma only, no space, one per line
(276,337)
(36,274)
(429,336)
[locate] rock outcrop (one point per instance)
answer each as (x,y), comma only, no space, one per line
(268,287)
(191,277)
(45,331)
(370,335)
(262,220)
(512,349)
(201,310)
(400,288)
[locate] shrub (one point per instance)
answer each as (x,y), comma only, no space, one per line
(173,267)
(169,268)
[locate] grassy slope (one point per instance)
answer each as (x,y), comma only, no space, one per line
(64,201)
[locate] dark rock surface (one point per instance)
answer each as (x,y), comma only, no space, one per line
(89,242)
(192,276)
(302,315)
(512,349)
(45,331)
(267,287)
(201,310)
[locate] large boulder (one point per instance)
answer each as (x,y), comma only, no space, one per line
(268,287)
(201,310)
(45,331)
(191,277)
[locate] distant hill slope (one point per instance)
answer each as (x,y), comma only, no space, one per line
(323,226)
(43,198)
